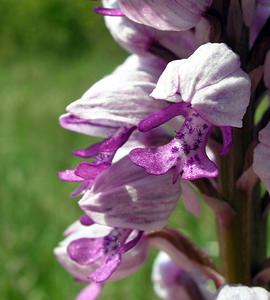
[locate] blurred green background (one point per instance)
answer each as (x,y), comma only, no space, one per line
(50,53)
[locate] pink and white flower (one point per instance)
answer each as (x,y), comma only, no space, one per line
(95,254)
(210,90)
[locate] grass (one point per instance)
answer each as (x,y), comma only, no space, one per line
(35,207)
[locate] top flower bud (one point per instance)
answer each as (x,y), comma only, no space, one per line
(178,15)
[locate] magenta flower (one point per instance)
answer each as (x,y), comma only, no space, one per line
(98,253)
(210,90)
(261,163)
(141,39)
(171,282)
(161,14)
(123,196)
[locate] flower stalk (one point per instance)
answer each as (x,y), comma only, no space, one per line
(243,241)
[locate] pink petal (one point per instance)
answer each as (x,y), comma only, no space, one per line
(120,99)
(165,15)
(107,268)
(133,200)
(91,292)
(69,175)
(190,198)
(221,97)
(140,39)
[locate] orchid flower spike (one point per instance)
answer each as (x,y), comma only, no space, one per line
(125,196)
(242,293)
(95,254)
(141,39)
(176,15)
(261,162)
(210,90)
(171,282)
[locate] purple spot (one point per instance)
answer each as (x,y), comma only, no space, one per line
(185,153)
(195,146)
(174,149)
(180,135)
(186,148)
(190,161)
(197,158)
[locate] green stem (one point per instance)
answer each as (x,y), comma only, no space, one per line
(235,237)
(243,240)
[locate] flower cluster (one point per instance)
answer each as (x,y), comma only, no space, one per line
(166,117)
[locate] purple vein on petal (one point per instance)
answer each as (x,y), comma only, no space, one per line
(112,12)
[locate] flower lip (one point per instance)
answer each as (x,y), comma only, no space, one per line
(185,154)
(132,254)
(105,253)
